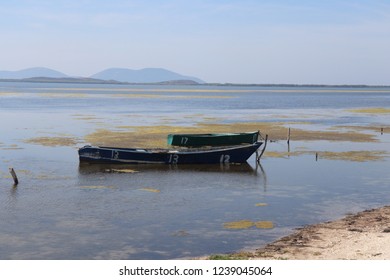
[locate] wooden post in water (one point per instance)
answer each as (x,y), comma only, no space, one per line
(262,151)
(382,131)
(288,136)
(316,156)
(13,173)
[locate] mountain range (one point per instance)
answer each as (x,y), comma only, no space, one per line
(146,75)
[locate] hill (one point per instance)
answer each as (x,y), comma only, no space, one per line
(111,75)
(32,72)
(146,75)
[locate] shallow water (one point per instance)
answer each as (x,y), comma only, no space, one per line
(61,210)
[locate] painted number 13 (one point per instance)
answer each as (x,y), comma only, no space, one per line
(173,158)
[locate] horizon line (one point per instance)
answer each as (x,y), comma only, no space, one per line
(88,80)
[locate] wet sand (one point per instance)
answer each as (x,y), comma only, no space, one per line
(361,236)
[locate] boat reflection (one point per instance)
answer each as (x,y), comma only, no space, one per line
(85,168)
(244,169)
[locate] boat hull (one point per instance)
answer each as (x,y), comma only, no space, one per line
(234,154)
(214,139)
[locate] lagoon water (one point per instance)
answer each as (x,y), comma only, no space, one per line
(61,210)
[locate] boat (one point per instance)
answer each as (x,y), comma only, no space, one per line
(212,139)
(212,155)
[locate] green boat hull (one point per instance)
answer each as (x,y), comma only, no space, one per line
(212,139)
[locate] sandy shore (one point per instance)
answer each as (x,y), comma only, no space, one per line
(361,236)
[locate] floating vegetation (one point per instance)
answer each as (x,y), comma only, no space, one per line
(275,154)
(97,187)
(245,224)
(264,224)
(10,147)
(360,156)
(5,175)
(180,233)
(371,110)
(52,141)
(121,170)
(242,224)
(64,95)
(132,95)
(85,117)
(278,131)
(51,177)
(9,94)
(156,136)
(261,204)
(105,137)
(150,190)
(374,128)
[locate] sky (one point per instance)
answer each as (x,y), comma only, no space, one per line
(220,41)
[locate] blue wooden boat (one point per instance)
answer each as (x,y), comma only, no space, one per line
(232,154)
(212,139)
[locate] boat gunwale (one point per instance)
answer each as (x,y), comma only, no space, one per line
(187,150)
(213,134)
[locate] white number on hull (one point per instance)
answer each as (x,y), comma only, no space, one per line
(115,154)
(184,140)
(224,159)
(173,158)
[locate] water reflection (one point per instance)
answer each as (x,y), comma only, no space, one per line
(190,175)
(260,170)
(12,197)
(61,210)
(244,168)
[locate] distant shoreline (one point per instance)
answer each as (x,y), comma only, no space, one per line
(177,82)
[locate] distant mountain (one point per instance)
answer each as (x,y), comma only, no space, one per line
(32,72)
(147,75)
(111,75)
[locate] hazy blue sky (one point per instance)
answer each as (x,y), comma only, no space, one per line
(243,41)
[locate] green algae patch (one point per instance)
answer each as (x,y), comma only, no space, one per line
(371,110)
(264,224)
(261,204)
(242,224)
(150,190)
(52,141)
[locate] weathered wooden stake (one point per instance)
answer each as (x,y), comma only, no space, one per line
(382,131)
(262,151)
(12,171)
(288,136)
(316,156)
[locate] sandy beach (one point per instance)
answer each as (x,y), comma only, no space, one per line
(361,236)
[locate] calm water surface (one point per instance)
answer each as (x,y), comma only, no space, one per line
(61,210)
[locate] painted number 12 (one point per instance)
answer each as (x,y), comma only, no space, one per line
(224,159)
